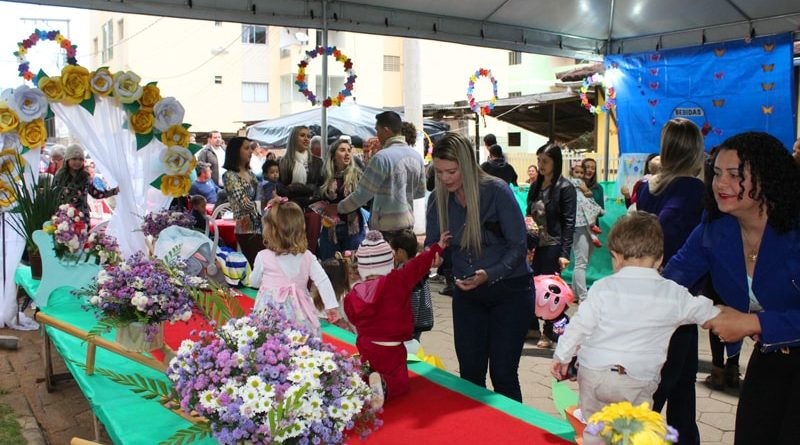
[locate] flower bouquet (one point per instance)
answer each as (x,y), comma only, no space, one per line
(104,248)
(70,232)
(625,424)
(262,379)
(154,222)
(139,294)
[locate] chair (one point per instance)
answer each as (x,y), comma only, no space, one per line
(220,210)
(55,273)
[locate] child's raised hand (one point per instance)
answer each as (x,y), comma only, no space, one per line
(559,370)
(444,240)
(333,315)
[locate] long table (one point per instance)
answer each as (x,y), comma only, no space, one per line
(440,408)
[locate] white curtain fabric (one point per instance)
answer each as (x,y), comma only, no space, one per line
(106,137)
(13,246)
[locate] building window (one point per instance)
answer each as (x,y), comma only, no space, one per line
(96,43)
(289,92)
(285,53)
(514,139)
(255,92)
(391,63)
(515,94)
(218,80)
(108,41)
(254,34)
(335,84)
(120,29)
(217,23)
(514,57)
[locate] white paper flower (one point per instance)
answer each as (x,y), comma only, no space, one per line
(102,82)
(178,160)
(11,140)
(168,112)
(29,103)
(126,87)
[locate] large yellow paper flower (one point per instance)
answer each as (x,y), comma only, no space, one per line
(7,195)
(175,185)
(33,134)
(178,160)
(8,119)
(126,87)
(52,88)
(10,164)
(75,80)
(150,96)
(176,135)
(142,121)
(101,82)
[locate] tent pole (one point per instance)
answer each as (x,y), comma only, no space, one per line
(324,119)
(551,127)
(607,155)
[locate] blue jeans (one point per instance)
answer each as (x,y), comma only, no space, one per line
(489,326)
(327,249)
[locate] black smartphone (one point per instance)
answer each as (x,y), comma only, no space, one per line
(572,369)
(467,277)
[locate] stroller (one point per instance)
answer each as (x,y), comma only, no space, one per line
(196,250)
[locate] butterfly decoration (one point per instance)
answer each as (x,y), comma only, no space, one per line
(768,47)
(718,131)
(768,68)
(654,85)
(719,75)
(654,71)
(655,57)
(706,129)
(719,51)
(767,86)
(652,102)
(718,102)
(767,109)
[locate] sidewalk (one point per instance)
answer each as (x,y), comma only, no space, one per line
(55,418)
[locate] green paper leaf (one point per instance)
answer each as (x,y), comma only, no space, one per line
(131,108)
(143,139)
(157,182)
(151,83)
(88,104)
(156,134)
(186,126)
(194,148)
(38,76)
(49,114)
(102,68)
(25,149)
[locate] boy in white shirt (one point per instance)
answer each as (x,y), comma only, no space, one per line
(622,330)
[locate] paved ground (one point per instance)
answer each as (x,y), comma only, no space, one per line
(54,418)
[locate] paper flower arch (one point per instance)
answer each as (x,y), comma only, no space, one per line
(150,116)
(473,105)
(610,94)
(302,82)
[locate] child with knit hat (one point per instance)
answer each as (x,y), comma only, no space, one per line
(379,307)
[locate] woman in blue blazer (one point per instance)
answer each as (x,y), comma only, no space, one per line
(749,243)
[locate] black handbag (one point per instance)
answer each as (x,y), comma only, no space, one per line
(422,306)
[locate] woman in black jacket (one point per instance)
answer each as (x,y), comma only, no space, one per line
(552,204)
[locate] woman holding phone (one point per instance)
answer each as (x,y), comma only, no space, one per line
(493,296)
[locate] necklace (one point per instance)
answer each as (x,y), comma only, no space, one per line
(753,254)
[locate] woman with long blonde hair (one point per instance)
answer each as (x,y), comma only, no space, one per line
(493,297)
(675,195)
(340,177)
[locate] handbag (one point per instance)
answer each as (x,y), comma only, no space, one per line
(422,306)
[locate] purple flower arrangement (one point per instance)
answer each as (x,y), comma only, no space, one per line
(154,222)
(70,232)
(263,379)
(144,290)
(104,248)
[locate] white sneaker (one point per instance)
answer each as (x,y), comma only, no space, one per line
(376,385)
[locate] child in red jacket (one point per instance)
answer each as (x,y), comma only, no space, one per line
(380,309)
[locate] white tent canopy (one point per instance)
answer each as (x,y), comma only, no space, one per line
(582,29)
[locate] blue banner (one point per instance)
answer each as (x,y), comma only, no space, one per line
(725,88)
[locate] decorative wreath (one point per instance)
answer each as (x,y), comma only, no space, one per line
(302,84)
(610,94)
(23,111)
(37,35)
(473,105)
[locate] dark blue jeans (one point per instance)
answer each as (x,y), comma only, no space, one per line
(490,324)
(344,241)
(678,376)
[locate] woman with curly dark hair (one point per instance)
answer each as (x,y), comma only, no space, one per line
(749,243)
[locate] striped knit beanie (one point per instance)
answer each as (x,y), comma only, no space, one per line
(375,256)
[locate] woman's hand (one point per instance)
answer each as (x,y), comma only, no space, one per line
(587,193)
(731,325)
(469,283)
(333,315)
(444,240)
(563,263)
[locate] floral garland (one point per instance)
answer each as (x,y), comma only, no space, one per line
(151,117)
(473,105)
(610,94)
(302,84)
(38,35)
